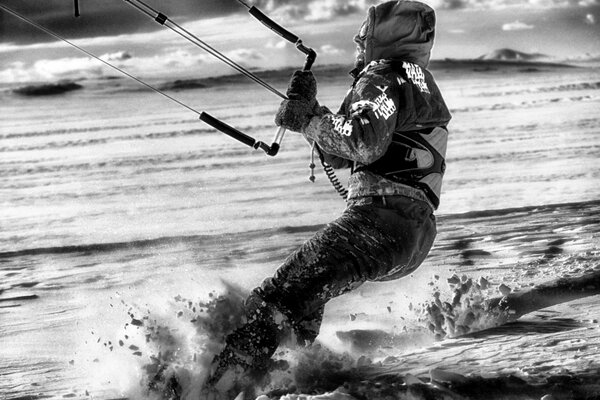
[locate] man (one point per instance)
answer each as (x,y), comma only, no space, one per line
(391,131)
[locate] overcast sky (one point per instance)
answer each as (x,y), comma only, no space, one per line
(118,32)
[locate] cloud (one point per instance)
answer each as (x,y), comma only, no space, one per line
(116,18)
(177,61)
(169,55)
(331,50)
(589,3)
(321,10)
(17,72)
(590,19)
(117,56)
(453,4)
(173,60)
(325,10)
(66,68)
(280,44)
(213,32)
(516,26)
(244,55)
(585,57)
(100,17)
(504,4)
(315,10)
(137,38)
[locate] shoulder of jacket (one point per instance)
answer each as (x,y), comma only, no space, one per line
(415,74)
(378,67)
(378,72)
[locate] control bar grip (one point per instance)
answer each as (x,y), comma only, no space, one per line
(272,25)
(227,129)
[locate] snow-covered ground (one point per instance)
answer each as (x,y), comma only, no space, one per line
(116,205)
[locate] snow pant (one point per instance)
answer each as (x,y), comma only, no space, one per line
(375,239)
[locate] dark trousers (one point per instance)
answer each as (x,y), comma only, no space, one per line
(374,239)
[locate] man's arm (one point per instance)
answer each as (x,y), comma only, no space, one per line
(364,133)
(333,160)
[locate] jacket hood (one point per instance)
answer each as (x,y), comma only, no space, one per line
(402,30)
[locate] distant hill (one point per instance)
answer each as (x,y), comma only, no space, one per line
(278,77)
(512,55)
(47,89)
(503,59)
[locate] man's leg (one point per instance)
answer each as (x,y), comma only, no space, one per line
(365,243)
(250,347)
(307,328)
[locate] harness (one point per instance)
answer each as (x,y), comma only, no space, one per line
(401,164)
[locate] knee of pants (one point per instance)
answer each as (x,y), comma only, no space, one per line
(409,259)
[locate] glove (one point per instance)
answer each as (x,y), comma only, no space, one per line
(303,87)
(295,114)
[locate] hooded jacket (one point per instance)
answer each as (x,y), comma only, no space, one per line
(399,30)
(391,125)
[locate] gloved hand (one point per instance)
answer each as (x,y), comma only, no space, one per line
(295,114)
(303,86)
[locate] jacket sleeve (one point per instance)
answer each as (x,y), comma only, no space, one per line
(333,160)
(364,131)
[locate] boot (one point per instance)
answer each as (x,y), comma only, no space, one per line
(249,348)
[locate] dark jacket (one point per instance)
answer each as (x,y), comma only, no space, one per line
(394,96)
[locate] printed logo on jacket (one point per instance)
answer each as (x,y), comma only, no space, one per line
(416,76)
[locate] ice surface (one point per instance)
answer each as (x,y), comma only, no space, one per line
(115,203)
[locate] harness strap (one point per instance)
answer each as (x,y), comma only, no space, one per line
(418,141)
(398,166)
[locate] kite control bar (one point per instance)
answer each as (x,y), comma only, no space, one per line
(242,137)
(311,55)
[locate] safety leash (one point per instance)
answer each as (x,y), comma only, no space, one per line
(310,58)
(328,169)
